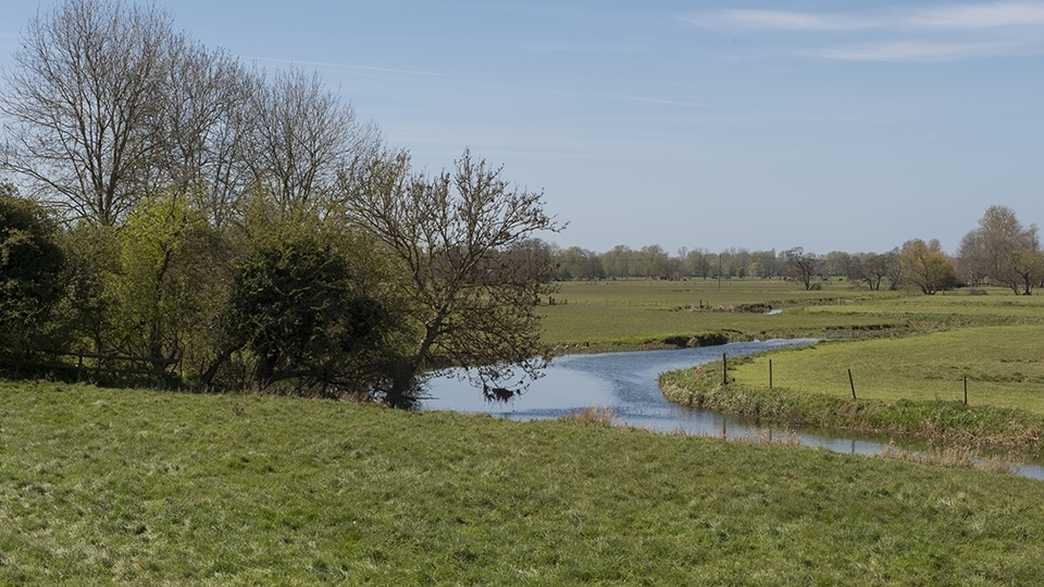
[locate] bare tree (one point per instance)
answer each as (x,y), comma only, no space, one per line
(873,269)
(203,126)
(302,135)
(802,266)
(1002,250)
(81,103)
(973,264)
(473,284)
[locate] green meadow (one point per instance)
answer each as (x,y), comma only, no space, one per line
(1004,366)
(909,355)
(142,487)
(638,313)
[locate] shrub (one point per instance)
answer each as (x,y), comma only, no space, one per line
(171,284)
(31,264)
(307,317)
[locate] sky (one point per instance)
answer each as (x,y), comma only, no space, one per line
(772,124)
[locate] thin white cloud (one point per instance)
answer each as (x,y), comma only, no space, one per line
(348,66)
(783,20)
(968,16)
(557,47)
(659,101)
(980,16)
(914,51)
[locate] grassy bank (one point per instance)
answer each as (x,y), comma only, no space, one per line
(1004,365)
(940,422)
(643,314)
(146,487)
(646,314)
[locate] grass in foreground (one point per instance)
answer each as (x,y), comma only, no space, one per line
(146,487)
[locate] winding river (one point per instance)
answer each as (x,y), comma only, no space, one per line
(627,383)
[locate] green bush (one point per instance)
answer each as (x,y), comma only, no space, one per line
(306,314)
(31,264)
(171,285)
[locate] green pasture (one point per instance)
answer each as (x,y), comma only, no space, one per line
(144,488)
(1004,366)
(638,312)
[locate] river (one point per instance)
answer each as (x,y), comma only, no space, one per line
(627,383)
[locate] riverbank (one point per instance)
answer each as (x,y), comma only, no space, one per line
(150,487)
(939,423)
(633,315)
(727,336)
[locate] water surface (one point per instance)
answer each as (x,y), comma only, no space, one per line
(627,383)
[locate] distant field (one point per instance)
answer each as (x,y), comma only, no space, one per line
(1005,366)
(998,305)
(635,312)
(154,488)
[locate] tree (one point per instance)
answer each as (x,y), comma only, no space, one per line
(307,313)
(927,267)
(203,126)
(472,301)
(873,269)
(302,134)
(1027,266)
(31,264)
(894,269)
(80,106)
(973,264)
(838,264)
(171,284)
(1002,250)
(577,263)
(802,266)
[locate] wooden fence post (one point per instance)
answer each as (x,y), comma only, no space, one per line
(851,383)
(770,373)
(966,390)
(724,369)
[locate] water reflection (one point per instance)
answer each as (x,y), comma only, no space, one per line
(627,382)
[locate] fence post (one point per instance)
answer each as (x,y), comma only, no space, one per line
(724,369)
(966,390)
(770,373)
(851,383)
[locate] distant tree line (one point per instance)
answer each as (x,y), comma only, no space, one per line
(176,218)
(870,269)
(1000,251)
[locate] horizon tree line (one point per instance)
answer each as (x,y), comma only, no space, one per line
(999,251)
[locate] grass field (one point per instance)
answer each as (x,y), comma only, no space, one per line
(143,487)
(999,306)
(1004,364)
(636,313)
(911,348)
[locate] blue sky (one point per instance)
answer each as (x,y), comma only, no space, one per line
(701,124)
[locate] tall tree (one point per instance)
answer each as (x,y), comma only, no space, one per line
(203,127)
(457,236)
(1003,250)
(301,135)
(802,266)
(80,106)
(926,266)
